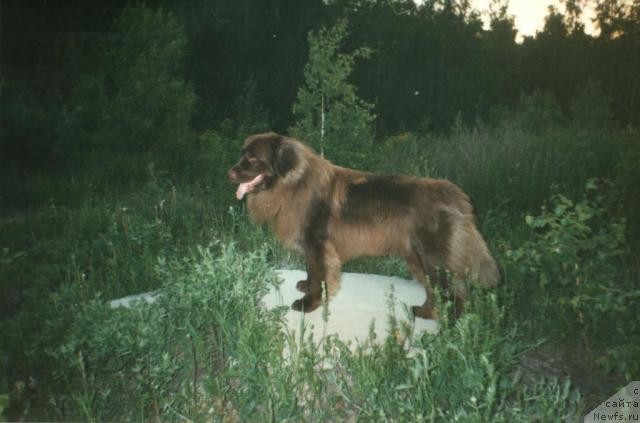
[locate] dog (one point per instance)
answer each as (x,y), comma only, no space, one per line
(332,214)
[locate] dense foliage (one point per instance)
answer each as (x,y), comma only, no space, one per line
(119,122)
(429,62)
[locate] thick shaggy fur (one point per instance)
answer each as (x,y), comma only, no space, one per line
(333,214)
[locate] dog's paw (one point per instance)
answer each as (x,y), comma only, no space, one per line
(306,304)
(425,313)
(303,286)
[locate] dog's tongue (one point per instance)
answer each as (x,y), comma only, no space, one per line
(246,187)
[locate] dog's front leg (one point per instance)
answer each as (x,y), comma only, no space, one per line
(323,268)
(312,287)
(303,285)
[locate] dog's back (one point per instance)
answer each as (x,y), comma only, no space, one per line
(408,216)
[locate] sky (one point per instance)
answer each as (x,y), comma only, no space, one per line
(529,14)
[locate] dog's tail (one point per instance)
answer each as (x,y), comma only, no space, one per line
(483,265)
(468,252)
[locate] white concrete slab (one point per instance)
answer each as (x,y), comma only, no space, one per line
(363,300)
(148,297)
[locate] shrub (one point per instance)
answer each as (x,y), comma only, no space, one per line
(176,357)
(576,260)
(591,108)
(539,112)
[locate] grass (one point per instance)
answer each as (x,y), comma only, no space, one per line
(207,352)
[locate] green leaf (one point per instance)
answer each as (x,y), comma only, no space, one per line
(559,209)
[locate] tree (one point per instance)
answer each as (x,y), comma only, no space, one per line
(329,113)
(138,105)
(573,15)
(251,115)
(232,42)
(497,74)
(609,17)
(555,26)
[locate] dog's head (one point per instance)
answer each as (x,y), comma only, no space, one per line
(265,159)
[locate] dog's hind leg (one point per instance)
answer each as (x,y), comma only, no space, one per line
(417,269)
(458,294)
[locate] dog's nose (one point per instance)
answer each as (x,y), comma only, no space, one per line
(232,174)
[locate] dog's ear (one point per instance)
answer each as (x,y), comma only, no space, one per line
(285,158)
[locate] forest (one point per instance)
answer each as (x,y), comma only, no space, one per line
(120,119)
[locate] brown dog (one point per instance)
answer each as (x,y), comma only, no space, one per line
(332,214)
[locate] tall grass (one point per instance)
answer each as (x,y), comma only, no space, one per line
(207,352)
(508,169)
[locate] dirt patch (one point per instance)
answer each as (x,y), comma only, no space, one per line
(563,362)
